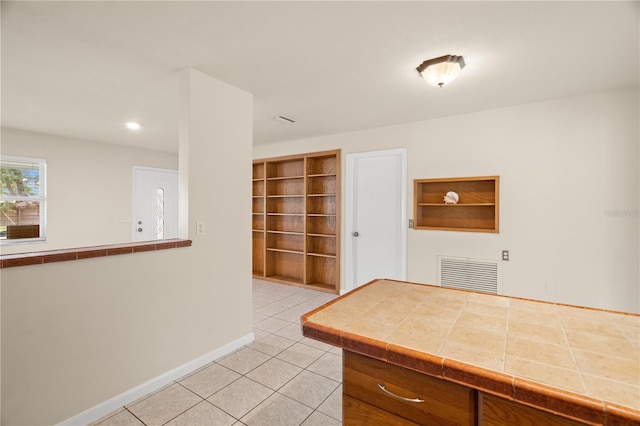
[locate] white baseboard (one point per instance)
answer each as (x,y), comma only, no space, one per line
(104,408)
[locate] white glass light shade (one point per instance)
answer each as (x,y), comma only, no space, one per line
(441,71)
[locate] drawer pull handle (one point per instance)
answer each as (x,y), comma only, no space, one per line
(402,398)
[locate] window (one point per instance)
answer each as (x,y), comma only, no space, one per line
(22,199)
(160,214)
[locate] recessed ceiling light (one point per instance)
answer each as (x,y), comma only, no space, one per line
(132,125)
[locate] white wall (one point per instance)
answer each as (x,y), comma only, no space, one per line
(89,187)
(569,192)
(75,334)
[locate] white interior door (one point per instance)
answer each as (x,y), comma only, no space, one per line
(155,204)
(376,217)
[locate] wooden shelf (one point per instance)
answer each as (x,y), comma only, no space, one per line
(285,177)
(300,195)
(478,208)
(456,205)
(321,255)
(285,232)
(322,286)
(284,279)
(285,251)
(322,175)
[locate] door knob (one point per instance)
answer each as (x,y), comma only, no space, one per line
(139,229)
(355,234)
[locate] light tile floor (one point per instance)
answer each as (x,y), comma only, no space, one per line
(281,379)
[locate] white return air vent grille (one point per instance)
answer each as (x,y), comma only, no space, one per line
(469,274)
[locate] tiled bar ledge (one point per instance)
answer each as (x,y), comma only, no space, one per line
(50,256)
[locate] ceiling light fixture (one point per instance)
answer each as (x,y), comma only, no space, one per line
(442,70)
(132,125)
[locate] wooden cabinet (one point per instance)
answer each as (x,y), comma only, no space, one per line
(296,219)
(478,208)
(356,412)
(376,393)
(406,396)
(495,411)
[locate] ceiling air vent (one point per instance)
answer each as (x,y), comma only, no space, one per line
(283,119)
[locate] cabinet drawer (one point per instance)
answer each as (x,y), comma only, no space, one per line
(495,411)
(444,403)
(357,413)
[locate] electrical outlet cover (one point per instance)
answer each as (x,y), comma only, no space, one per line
(200,228)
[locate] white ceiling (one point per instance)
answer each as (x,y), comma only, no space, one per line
(82,69)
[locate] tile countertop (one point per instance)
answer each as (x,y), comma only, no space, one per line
(579,362)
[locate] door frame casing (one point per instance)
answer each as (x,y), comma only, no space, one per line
(350,160)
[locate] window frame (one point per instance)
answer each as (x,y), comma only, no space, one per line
(42,198)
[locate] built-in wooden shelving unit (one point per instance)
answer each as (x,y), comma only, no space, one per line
(296,219)
(478,208)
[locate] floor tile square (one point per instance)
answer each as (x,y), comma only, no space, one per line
(260,301)
(292,315)
(142,398)
(121,418)
(322,298)
(209,380)
(277,410)
(244,360)
(163,406)
(271,344)
(272,308)
(318,419)
(316,344)
(240,397)
(309,388)
(300,355)
(271,324)
(328,365)
(274,373)
(291,332)
(257,317)
(259,334)
(296,299)
(203,414)
(332,406)
(336,351)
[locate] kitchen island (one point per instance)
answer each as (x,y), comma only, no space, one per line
(422,354)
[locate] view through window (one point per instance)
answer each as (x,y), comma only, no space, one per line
(22,198)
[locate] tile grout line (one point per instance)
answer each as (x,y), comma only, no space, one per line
(130,412)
